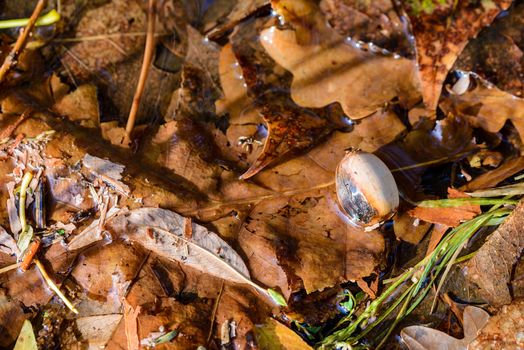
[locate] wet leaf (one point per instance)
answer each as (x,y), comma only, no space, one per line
(376,23)
(442,34)
(273,335)
(423,338)
(26,340)
(487,107)
(332,70)
(288,129)
(491,267)
(242,10)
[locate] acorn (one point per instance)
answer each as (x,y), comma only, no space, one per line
(366,189)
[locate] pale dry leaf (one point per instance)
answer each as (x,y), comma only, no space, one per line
(97,330)
(333,70)
(107,171)
(162,231)
(91,233)
(424,338)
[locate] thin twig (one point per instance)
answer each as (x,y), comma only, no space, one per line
(12,58)
(213,314)
(146,63)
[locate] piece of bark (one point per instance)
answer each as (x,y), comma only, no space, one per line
(491,268)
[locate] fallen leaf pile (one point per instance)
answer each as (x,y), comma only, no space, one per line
(219,226)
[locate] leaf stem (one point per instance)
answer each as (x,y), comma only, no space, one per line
(26,180)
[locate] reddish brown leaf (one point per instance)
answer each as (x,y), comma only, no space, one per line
(451,217)
(442,34)
(437,233)
(290,128)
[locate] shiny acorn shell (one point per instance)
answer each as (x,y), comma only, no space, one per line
(366,189)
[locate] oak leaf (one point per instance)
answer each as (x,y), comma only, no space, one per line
(442,34)
(330,69)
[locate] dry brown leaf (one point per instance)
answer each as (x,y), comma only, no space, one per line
(11,320)
(424,338)
(80,106)
(452,216)
(492,266)
(503,330)
(487,107)
(333,70)
(105,272)
(442,34)
(291,241)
